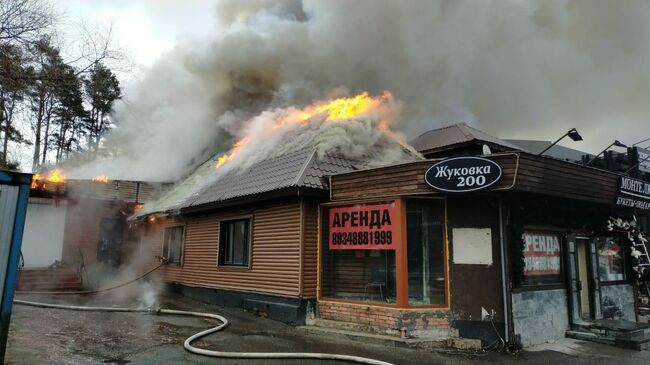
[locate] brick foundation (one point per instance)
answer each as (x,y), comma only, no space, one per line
(389,320)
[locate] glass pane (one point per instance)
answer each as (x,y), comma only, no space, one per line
(239,242)
(425,240)
(610,259)
(235,237)
(177,243)
(542,258)
(166,245)
(358,275)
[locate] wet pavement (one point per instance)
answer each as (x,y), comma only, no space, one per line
(56,336)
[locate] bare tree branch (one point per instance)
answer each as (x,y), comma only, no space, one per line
(23,21)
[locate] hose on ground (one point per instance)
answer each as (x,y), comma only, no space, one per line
(224,323)
(79,292)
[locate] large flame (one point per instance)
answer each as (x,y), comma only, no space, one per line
(336,110)
(101,179)
(55,176)
(342,109)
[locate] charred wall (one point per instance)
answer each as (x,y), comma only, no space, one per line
(87,223)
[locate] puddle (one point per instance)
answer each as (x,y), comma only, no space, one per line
(116,361)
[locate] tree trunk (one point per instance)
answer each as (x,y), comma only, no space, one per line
(39,124)
(98,130)
(47,131)
(3,158)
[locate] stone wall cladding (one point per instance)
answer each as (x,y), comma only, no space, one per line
(540,316)
(617,302)
(387,320)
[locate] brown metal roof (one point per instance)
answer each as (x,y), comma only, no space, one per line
(441,138)
(302,168)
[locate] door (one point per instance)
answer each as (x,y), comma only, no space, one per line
(595,281)
(583,281)
(109,247)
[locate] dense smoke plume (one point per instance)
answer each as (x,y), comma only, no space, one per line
(517,69)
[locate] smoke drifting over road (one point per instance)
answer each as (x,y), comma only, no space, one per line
(518,69)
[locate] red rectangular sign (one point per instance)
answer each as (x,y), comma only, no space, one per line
(362,227)
(541,253)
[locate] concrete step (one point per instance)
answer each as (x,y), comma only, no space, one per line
(590,336)
(391,338)
(628,342)
(392,341)
(48,279)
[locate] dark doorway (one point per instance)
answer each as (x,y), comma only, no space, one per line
(109,247)
(584,275)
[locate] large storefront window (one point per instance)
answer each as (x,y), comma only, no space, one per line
(358,252)
(542,258)
(426,253)
(611,262)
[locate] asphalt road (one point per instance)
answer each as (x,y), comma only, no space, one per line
(54,336)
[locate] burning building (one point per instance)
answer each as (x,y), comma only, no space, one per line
(242,228)
(75,227)
(507,246)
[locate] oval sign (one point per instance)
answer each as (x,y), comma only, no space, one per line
(463,174)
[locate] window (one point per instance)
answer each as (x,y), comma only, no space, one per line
(173,244)
(542,258)
(358,253)
(611,261)
(426,253)
(234,242)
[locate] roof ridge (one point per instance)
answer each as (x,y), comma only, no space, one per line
(301,175)
(466,130)
(438,129)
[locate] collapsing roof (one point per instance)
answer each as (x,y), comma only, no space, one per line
(122,190)
(304,168)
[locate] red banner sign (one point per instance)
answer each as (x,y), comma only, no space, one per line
(362,227)
(541,254)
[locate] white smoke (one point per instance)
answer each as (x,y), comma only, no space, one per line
(515,68)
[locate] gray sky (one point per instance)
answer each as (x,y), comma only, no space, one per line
(520,69)
(146,28)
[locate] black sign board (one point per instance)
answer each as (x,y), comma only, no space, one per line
(463,174)
(641,157)
(633,193)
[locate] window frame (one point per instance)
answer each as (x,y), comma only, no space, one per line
(401,261)
(220,246)
(624,261)
(445,247)
(182,243)
(562,276)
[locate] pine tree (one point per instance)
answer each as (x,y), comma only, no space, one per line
(101,89)
(13,86)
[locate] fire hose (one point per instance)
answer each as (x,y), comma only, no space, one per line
(224,323)
(95,291)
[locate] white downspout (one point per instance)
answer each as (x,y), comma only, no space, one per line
(504,284)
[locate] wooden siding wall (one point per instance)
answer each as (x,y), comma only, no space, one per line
(567,180)
(274,262)
(310,249)
(403,180)
(126,191)
(522,172)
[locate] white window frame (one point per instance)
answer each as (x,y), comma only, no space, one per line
(182,243)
